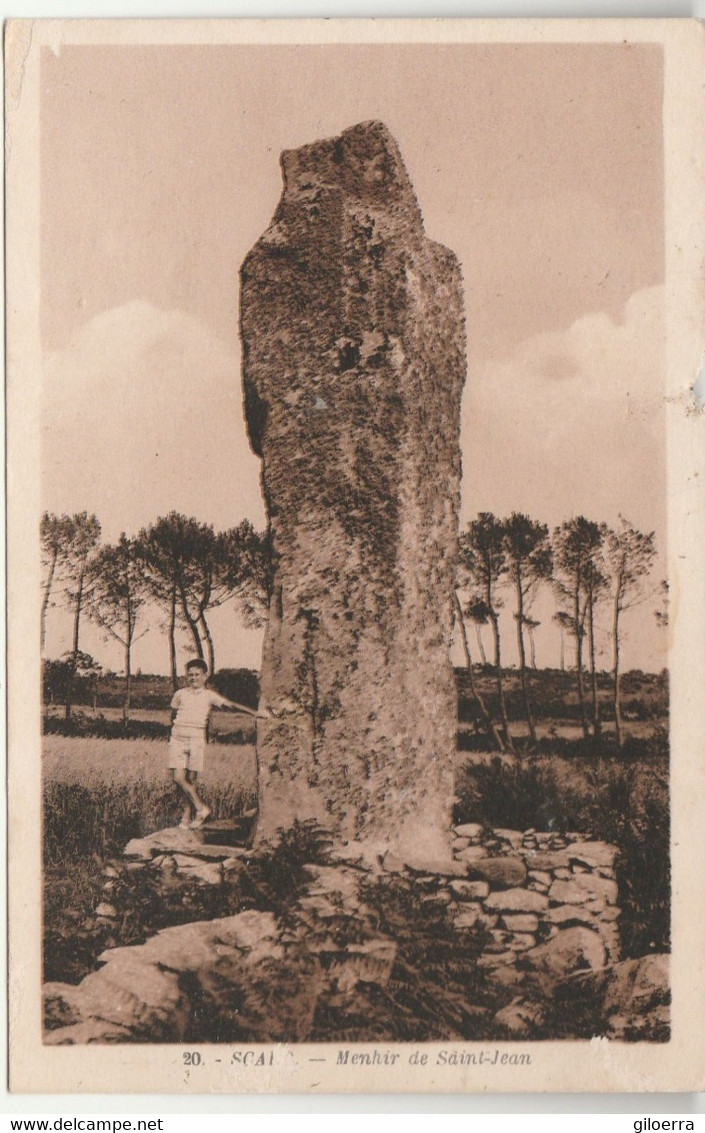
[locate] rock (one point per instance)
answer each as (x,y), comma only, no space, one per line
(319,907)
(598,887)
(352,324)
(143,997)
(567,893)
(472,854)
(636,986)
(520,1019)
(93,1031)
(499,941)
(443,867)
(175,839)
(563,874)
(211,873)
(527,922)
(138,993)
(569,915)
(516,901)
(232,865)
(106,911)
(593,854)
(370,961)
(471,830)
(469,890)
(110,871)
(538,887)
(496,959)
(610,913)
(547,861)
(597,905)
(635,997)
(62,1004)
(503,975)
(436,900)
(459,844)
(331,879)
(570,951)
(512,837)
(501,873)
(392,863)
(522,941)
(543,877)
(655,1026)
(612,939)
(468,916)
(488,920)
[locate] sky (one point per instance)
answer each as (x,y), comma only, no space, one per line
(540,166)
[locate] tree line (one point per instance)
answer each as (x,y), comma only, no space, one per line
(186,569)
(183,567)
(586,565)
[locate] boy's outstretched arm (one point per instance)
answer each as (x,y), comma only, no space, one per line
(261,712)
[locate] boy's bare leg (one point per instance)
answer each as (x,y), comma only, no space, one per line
(186,782)
(187,815)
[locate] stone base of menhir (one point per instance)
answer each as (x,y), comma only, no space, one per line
(548,905)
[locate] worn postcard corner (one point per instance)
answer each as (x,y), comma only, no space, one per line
(355,506)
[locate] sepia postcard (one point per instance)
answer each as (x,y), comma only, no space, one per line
(356,459)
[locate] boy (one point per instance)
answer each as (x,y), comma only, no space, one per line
(191,708)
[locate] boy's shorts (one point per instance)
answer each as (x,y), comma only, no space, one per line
(186,749)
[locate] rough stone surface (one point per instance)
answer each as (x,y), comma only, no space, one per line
(557,859)
(593,854)
(139,992)
(501,873)
(570,951)
(517,901)
(174,839)
(471,830)
(470,890)
(354,361)
(634,994)
(519,922)
(567,893)
(472,854)
(636,986)
(520,1019)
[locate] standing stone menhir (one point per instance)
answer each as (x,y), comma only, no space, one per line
(354,362)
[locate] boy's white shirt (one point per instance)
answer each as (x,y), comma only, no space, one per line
(193,706)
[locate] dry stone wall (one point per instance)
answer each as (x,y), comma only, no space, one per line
(531,888)
(547,902)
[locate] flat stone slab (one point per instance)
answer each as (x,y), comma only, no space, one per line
(593,854)
(469,830)
(517,901)
(547,860)
(174,839)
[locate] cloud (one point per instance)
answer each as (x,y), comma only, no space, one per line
(142,413)
(573,422)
